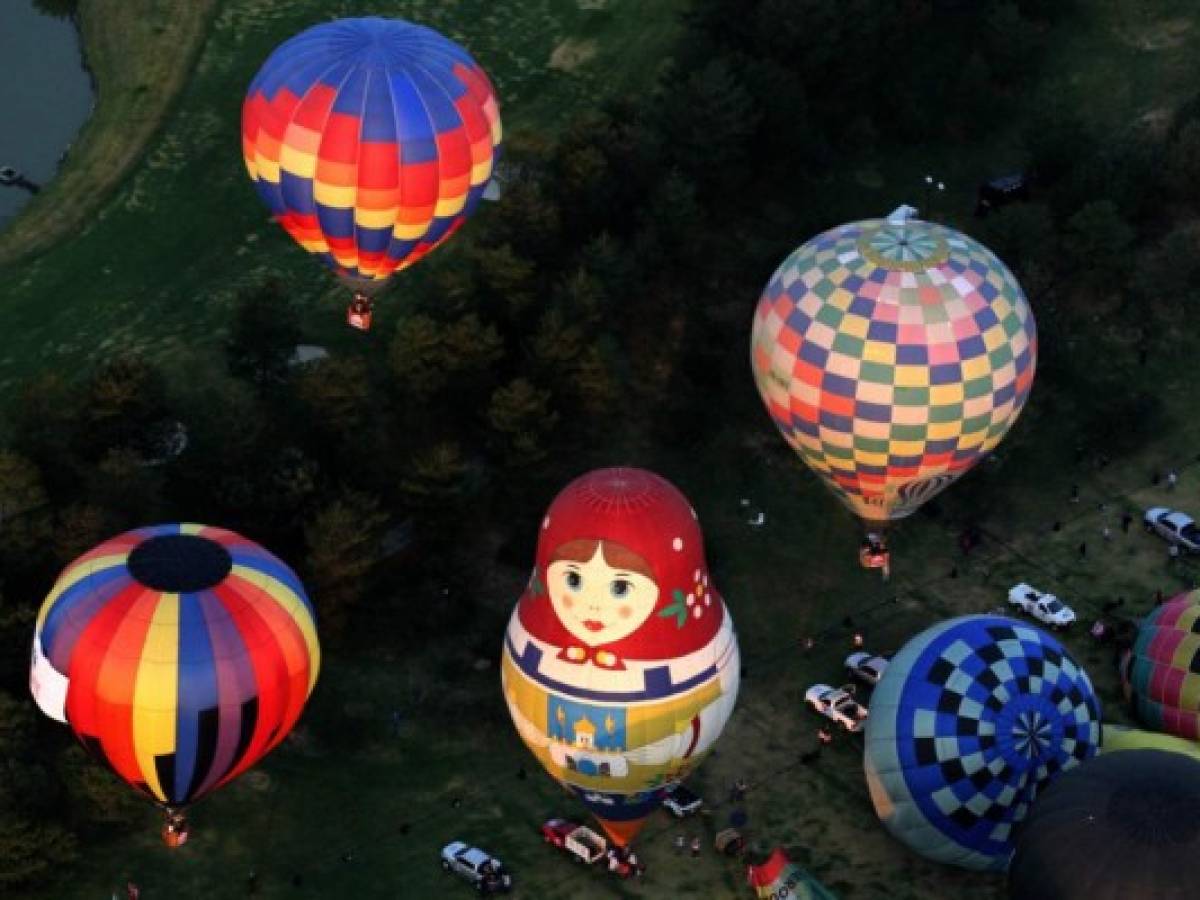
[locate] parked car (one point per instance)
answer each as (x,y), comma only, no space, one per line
(866,667)
(837,704)
(578,840)
(1046,608)
(682,801)
(484,872)
(1176,527)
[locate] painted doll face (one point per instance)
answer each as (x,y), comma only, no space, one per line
(597,602)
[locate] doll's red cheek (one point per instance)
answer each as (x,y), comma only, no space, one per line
(625,611)
(567,602)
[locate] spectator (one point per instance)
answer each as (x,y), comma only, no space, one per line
(1057,526)
(1126,521)
(679,843)
(825,736)
(695,845)
(1158,597)
(1155,478)
(1074,493)
(1172,479)
(1083,550)
(857,640)
(1107,533)
(132,891)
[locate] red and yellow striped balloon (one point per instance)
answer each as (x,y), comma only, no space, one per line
(178,654)
(371,141)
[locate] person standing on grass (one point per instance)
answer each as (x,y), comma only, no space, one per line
(680,840)
(1172,479)
(695,846)
(1083,550)
(1126,521)
(1107,533)
(1074,493)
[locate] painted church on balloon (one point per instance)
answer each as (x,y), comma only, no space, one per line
(620,664)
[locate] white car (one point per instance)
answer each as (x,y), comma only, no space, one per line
(1046,608)
(682,801)
(866,667)
(1176,527)
(485,873)
(837,704)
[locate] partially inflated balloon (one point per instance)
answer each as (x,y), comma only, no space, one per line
(781,879)
(972,718)
(178,654)
(1163,671)
(620,662)
(371,141)
(893,357)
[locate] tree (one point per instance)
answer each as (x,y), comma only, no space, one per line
(437,475)
(711,122)
(416,356)
(101,795)
(337,392)
(45,419)
(594,384)
(266,330)
(123,399)
(509,276)
(30,851)
(20,486)
(1024,238)
(79,527)
(129,490)
(60,9)
(343,541)
(521,414)
(1013,43)
(557,343)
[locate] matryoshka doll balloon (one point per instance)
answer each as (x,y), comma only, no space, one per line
(620,661)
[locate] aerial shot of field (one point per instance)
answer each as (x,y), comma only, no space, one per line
(604,280)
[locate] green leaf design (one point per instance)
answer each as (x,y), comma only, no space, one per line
(678,609)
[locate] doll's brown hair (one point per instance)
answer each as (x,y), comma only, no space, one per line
(616,555)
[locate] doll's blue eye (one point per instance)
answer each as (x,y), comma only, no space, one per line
(574,581)
(620,587)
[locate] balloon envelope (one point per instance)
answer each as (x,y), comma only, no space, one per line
(181,654)
(781,879)
(1120,827)
(620,664)
(1163,671)
(893,357)
(371,141)
(971,719)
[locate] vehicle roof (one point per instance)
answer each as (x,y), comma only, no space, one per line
(476,857)
(683,792)
(819,689)
(1179,518)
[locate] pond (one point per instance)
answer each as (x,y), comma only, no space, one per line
(45,95)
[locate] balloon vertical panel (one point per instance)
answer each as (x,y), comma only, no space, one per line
(620,662)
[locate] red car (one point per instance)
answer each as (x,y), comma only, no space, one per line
(586,846)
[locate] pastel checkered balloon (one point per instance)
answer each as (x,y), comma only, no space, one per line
(893,356)
(371,141)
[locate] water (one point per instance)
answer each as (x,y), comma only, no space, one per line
(45,96)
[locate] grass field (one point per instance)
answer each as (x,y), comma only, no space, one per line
(158,268)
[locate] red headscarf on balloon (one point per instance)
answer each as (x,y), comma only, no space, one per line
(658,537)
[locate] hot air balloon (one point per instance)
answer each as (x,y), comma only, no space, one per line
(371,141)
(1120,827)
(179,655)
(893,356)
(972,718)
(620,664)
(781,879)
(1162,671)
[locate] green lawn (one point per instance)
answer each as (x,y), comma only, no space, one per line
(157,270)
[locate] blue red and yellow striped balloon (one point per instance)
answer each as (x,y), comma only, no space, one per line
(178,654)
(893,356)
(1162,673)
(371,141)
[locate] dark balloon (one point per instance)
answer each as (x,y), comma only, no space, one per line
(1122,826)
